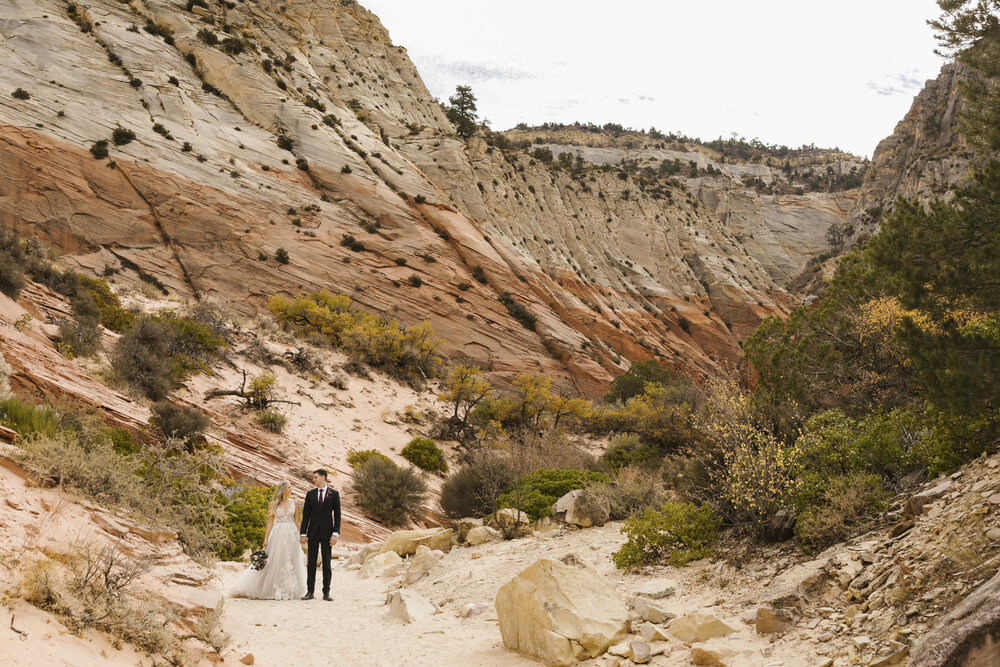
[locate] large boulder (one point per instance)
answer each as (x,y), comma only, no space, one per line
(560,614)
(969,635)
(405,542)
(915,505)
(582,508)
(483,535)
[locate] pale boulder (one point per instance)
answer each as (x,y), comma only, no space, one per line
(582,508)
(409,606)
(463,527)
(648,610)
(656,589)
(422,562)
(405,542)
(559,614)
(388,564)
(698,627)
(511,523)
(638,652)
(483,535)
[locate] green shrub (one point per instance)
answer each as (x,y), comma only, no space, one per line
(179,421)
(208,37)
(271,420)
(388,493)
(281,255)
(79,337)
(20,94)
(679,533)
(142,359)
(112,315)
(517,310)
(28,419)
(415,280)
(99,149)
(122,441)
(122,136)
(626,449)
(425,454)
(285,142)
(245,521)
(346,169)
(536,492)
(475,488)
(12,264)
(359,458)
(479,274)
(849,503)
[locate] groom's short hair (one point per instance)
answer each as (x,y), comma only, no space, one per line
(320,472)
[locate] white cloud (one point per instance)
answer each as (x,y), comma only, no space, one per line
(786,71)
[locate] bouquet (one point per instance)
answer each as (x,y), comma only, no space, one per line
(258,559)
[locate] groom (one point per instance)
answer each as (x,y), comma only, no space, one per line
(320,529)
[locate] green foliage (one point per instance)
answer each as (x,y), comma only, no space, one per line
(142,359)
(20,94)
(536,492)
(271,420)
(121,136)
(517,310)
(475,488)
(28,419)
(849,504)
(633,382)
(679,533)
(112,315)
(99,149)
(388,493)
(179,421)
(245,521)
(626,449)
(662,416)
(462,112)
(358,458)
(631,491)
(12,264)
(281,255)
(410,352)
(425,454)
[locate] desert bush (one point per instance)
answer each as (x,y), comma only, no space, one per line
(662,417)
(179,421)
(849,503)
(425,454)
(631,491)
(475,488)
(245,521)
(388,493)
(517,310)
(141,359)
(20,94)
(633,382)
(626,449)
(271,420)
(12,262)
(112,315)
(359,458)
(121,136)
(678,533)
(281,256)
(535,493)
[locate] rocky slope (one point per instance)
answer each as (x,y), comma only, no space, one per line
(292,124)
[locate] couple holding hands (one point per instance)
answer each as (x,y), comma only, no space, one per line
(286,574)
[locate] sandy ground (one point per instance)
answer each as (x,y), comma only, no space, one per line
(356,628)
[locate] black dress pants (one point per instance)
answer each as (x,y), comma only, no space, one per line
(315,546)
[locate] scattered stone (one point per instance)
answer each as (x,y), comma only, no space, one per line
(620,650)
(915,505)
(773,621)
(545,524)
(711,657)
(582,508)
(639,652)
(559,614)
(405,542)
(12,502)
(656,589)
(861,642)
(781,527)
(511,523)
(422,562)
(648,610)
(385,565)
(968,635)
(409,606)
(463,527)
(651,633)
(247,659)
(575,560)
(993,534)
(698,627)
(154,536)
(483,535)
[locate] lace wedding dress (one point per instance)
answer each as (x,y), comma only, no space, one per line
(284,575)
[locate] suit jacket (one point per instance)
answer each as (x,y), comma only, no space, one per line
(320,523)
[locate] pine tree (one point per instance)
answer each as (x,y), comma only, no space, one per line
(462,112)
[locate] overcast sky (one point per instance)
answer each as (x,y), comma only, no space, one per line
(787,71)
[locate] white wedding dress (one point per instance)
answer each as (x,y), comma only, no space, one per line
(284,575)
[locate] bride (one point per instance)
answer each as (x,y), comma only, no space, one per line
(283,577)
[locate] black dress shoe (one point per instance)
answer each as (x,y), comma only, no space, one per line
(307,596)
(326,596)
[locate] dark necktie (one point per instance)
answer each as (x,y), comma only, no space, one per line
(321,497)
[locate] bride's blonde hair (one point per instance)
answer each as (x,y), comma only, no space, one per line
(279,495)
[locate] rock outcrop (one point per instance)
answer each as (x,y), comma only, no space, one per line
(582,508)
(559,614)
(968,635)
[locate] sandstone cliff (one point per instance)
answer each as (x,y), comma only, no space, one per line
(292,125)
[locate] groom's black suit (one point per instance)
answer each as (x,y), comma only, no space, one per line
(319,523)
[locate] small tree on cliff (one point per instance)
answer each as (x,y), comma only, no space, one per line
(462,112)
